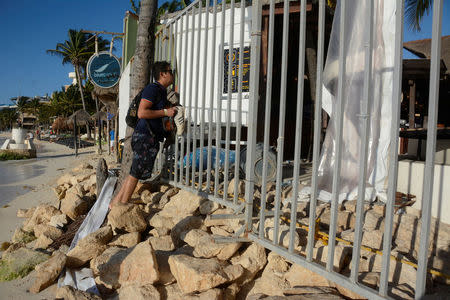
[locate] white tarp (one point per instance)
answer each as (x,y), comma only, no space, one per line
(380,101)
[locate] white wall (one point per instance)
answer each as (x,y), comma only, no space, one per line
(410,180)
(191,78)
(124,97)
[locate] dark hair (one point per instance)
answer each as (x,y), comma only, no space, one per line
(158,67)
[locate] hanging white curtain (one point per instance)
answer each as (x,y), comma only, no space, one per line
(379,103)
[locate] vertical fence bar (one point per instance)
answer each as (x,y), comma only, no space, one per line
(170,44)
(177,42)
(195,98)
(211,97)
(165,41)
(202,123)
(364,146)
(393,154)
(183,166)
(219,101)
(229,98)
(239,105)
(339,115)
(427,196)
(262,213)
(253,111)
(282,114)
(317,131)
(298,122)
(189,106)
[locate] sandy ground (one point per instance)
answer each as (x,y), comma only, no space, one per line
(30,185)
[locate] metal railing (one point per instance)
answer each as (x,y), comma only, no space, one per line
(215,107)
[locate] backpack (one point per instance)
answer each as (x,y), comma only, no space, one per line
(132,118)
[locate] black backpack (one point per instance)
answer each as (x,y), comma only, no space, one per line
(132,118)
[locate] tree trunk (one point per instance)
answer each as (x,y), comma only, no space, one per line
(77,72)
(140,70)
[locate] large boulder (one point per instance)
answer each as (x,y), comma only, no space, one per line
(197,274)
(74,206)
(89,247)
(139,266)
(41,215)
(104,258)
(300,276)
(127,217)
(230,225)
(19,263)
(139,292)
(25,213)
(205,246)
(253,259)
(47,272)
(21,236)
(188,223)
(183,204)
(58,221)
(163,243)
(69,293)
(48,231)
(165,275)
(127,240)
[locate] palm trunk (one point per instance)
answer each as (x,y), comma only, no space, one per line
(77,72)
(140,69)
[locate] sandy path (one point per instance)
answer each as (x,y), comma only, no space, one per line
(29,183)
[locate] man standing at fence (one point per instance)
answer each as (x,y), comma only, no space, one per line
(149,130)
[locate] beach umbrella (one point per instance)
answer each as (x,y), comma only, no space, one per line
(82,117)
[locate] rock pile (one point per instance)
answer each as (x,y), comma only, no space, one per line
(162,246)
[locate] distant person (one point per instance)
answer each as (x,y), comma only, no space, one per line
(111,139)
(30,136)
(149,130)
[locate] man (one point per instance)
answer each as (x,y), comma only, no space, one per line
(149,130)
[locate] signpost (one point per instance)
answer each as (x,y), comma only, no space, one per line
(104,69)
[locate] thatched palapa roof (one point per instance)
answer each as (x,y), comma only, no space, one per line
(83,117)
(422,48)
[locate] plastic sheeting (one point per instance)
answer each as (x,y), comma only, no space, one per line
(83,279)
(379,103)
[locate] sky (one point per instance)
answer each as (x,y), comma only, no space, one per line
(30,27)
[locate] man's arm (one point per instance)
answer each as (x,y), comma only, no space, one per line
(145,111)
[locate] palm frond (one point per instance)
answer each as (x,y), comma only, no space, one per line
(414,12)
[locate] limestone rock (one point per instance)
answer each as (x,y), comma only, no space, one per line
(42,242)
(163,243)
(139,292)
(127,240)
(159,221)
(103,258)
(74,206)
(284,235)
(345,219)
(159,232)
(188,223)
(372,238)
(48,231)
(231,291)
(253,259)
(127,217)
(300,276)
(20,262)
(82,167)
(58,221)
(240,189)
(205,246)
(183,204)
(139,266)
(42,214)
(21,236)
(165,275)
(89,247)
(212,294)
(69,293)
(208,207)
(233,224)
(25,213)
(171,292)
(219,231)
(48,272)
(109,270)
(197,274)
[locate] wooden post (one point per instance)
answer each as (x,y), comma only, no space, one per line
(75,134)
(412,104)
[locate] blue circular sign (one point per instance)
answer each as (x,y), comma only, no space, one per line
(104,69)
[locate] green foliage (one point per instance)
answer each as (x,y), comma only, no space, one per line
(12,156)
(414,12)
(8,117)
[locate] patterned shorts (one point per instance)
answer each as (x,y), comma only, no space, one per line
(145,148)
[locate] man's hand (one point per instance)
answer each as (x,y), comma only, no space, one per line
(170,112)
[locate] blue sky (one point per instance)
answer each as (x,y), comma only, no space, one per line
(30,27)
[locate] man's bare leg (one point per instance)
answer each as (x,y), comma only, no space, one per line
(128,188)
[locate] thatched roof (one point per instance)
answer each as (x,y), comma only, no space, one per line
(422,48)
(83,117)
(101,114)
(107,96)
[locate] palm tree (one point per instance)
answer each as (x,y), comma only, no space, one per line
(414,11)
(76,51)
(21,103)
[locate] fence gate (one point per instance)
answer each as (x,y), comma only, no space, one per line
(240,70)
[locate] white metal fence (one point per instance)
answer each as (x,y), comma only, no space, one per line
(215,50)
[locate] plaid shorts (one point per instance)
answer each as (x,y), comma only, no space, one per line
(145,148)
